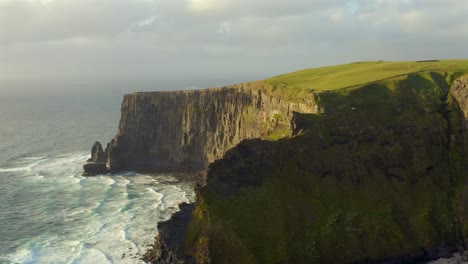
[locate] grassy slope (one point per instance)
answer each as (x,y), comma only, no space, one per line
(295,85)
(371,183)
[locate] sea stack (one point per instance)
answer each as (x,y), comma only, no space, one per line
(97,163)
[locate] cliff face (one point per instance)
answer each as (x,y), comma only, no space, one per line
(459,93)
(187,130)
(369,173)
(379,175)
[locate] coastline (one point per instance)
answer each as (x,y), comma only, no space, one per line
(383,145)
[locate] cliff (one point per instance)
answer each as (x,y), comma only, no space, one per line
(358,163)
(377,175)
(187,130)
(459,96)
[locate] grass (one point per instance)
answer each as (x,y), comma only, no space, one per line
(298,84)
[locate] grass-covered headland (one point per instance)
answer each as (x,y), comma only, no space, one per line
(377,174)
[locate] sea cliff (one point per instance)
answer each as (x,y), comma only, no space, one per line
(367,171)
(383,183)
(187,130)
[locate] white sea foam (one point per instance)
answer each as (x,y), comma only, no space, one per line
(102,219)
(44,163)
(35,158)
(61,164)
(20,256)
(22,168)
(74,213)
(90,255)
(37,176)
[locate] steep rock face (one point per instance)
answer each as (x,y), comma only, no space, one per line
(187,130)
(168,248)
(460,93)
(379,177)
(459,135)
(97,153)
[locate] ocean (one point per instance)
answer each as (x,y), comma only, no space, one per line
(49,213)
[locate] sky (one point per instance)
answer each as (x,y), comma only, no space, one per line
(119,46)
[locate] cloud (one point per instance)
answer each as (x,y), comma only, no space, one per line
(225,28)
(413,16)
(154,39)
(43,20)
(234,9)
(147,21)
(207,5)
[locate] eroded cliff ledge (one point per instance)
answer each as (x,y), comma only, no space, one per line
(186,130)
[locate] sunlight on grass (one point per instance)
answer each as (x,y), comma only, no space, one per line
(359,73)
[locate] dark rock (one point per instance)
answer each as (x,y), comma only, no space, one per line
(107,149)
(239,168)
(97,153)
(169,247)
(91,169)
(155,135)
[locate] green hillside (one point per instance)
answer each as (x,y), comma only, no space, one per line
(376,175)
(353,75)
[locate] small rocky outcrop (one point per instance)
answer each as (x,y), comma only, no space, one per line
(97,163)
(97,153)
(94,168)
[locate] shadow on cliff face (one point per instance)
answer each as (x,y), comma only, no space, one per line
(241,166)
(187,130)
(374,177)
(384,128)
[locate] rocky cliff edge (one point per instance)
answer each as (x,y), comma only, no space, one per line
(378,176)
(187,130)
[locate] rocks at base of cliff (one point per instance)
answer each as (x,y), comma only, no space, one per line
(459,257)
(97,163)
(169,245)
(97,153)
(434,256)
(94,168)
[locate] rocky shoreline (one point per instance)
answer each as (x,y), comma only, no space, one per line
(169,243)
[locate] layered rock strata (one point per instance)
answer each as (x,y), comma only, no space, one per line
(186,130)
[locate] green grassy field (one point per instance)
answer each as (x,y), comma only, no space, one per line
(359,73)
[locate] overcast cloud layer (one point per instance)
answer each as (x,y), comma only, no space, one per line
(182,42)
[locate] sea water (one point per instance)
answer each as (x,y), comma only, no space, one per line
(49,213)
